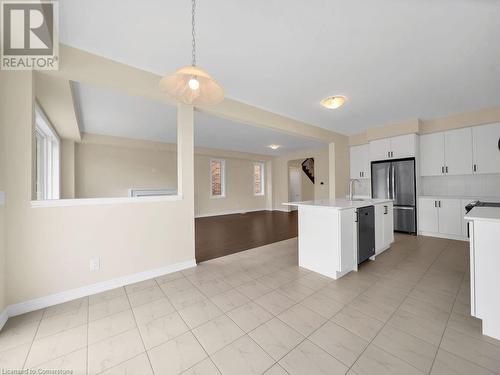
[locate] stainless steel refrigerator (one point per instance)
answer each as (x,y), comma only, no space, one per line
(396,180)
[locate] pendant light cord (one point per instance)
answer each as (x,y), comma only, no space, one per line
(193,10)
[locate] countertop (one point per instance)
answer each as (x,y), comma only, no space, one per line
(484,213)
(471,198)
(339,204)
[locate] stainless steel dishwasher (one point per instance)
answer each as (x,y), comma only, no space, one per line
(366,232)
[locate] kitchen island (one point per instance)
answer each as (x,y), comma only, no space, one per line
(484,229)
(328,233)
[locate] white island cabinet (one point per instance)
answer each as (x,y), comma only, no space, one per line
(484,228)
(328,233)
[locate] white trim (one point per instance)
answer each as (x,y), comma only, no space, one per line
(2,198)
(3,318)
(440,235)
(101,201)
(231,212)
(69,295)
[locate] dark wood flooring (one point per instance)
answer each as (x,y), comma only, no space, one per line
(217,236)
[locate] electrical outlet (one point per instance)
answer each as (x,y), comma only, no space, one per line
(95,264)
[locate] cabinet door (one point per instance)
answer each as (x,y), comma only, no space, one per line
(427,215)
(432,154)
(359,162)
(379,149)
(458,151)
(486,140)
(379,227)
(355,165)
(365,161)
(388,224)
(403,146)
(450,221)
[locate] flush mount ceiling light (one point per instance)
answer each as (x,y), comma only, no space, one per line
(274,147)
(192,85)
(333,102)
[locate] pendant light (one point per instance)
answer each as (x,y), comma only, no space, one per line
(192,85)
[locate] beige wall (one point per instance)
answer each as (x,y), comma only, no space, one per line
(48,248)
(67,169)
(109,166)
(3,118)
(239,187)
(280,175)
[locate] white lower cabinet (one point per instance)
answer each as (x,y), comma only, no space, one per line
(384,227)
(442,217)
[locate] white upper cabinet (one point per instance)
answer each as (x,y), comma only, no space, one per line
(380,149)
(402,146)
(458,151)
(446,153)
(432,154)
(360,161)
(486,141)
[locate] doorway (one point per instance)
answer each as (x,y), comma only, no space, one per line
(300,180)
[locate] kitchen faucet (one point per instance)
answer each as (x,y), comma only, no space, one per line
(351,188)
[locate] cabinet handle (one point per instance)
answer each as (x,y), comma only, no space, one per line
(435,204)
(446,169)
(442,169)
(388,154)
(439,204)
(385,210)
(475,167)
(357,217)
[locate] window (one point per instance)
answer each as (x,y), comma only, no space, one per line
(47,158)
(217,178)
(258,178)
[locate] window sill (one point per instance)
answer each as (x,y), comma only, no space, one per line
(217,196)
(102,201)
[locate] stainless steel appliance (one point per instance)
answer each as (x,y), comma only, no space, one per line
(366,232)
(470,206)
(395,180)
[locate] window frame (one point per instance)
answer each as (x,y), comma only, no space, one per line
(262,167)
(222,178)
(47,186)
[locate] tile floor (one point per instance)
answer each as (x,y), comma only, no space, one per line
(256,312)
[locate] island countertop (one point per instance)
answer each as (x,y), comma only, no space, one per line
(339,204)
(484,213)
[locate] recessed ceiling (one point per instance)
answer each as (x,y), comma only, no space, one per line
(109,112)
(394,59)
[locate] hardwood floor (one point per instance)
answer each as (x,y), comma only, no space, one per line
(217,236)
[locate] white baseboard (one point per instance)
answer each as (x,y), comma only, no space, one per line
(3,318)
(445,236)
(231,212)
(69,295)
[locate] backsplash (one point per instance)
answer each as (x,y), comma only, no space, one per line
(363,187)
(487,185)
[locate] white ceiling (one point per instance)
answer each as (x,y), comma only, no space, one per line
(110,112)
(393,59)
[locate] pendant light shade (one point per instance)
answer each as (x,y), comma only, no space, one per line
(193,86)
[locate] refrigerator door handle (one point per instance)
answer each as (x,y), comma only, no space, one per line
(393,178)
